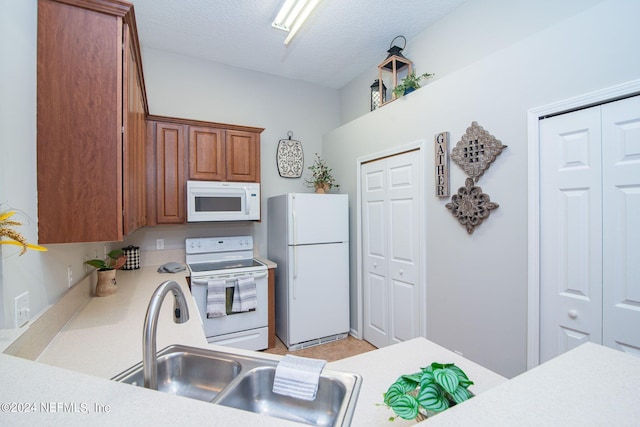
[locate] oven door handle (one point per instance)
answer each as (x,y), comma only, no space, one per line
(205,281)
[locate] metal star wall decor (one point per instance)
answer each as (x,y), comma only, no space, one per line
(471,206)
(476,150)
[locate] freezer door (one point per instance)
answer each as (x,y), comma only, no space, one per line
(318,218)
(319,291)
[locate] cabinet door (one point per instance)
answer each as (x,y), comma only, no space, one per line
(206,154)
(79,124)
(170,173)
(134,177)
(242,156)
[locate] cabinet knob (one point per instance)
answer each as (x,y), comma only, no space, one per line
(375,265)
(572,313)
(401,272)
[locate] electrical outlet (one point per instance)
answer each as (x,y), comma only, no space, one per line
(21,309)
(159,244)
(69,275)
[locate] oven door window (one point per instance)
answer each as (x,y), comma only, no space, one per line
(229,302)
(219,203)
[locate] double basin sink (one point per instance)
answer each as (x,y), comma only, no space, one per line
(245,382)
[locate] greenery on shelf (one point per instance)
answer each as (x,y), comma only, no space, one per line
(114,261)
(433,389)
(409,83)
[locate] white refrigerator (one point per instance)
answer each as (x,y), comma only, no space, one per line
(308,237)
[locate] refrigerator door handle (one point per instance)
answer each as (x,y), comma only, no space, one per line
(295,271)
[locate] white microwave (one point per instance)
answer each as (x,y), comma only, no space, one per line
(222,201)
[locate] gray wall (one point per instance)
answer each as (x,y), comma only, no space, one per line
(43,275)
(181,86)
(477,284)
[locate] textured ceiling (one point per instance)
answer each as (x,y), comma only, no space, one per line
(341,39)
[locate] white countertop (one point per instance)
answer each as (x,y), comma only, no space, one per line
(591,385)
(105,336)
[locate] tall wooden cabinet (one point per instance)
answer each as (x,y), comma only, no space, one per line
(90,122)
(180,149)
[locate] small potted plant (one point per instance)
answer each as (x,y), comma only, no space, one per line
(425,393)
(107,271)
(321,178)
(409,84)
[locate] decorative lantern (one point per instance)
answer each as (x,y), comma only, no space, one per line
(396,64)
(378,95)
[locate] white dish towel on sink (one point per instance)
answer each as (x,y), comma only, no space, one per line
(298,377)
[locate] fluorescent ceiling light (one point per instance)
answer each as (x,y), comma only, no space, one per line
(292,15)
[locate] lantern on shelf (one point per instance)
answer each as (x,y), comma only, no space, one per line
(378,94)
(395,67)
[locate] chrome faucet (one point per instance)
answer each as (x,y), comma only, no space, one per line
(180,315)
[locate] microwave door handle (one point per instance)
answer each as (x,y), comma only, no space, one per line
(247,195)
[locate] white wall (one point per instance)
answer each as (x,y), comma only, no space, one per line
(477,284)
(180,86)
(43,275)
(471,32)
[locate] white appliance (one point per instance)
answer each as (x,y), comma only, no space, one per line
(229,259)
(308,237)
(223,201)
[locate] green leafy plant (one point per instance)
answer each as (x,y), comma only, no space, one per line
(320,175)
(433,389)
(409,83)
(114,260)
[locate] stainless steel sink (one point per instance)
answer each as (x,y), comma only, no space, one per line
(245,382)
(195,373)
(253,393)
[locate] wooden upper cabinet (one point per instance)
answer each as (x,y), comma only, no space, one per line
(181,149)
(134,154)
(206,153)
(171,179)
(81,106)
(217,154)
(243,156)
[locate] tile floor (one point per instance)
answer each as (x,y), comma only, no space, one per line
(330,352)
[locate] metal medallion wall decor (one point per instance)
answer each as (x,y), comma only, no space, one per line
(476,150)
(442,164)
(289,157)
(471,206)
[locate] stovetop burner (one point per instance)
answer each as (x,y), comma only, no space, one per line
(208,256)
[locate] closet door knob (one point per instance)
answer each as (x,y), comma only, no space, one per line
(572,313)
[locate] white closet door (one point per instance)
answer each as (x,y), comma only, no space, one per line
(392,291)
(590,228)
(375,256)
(570,232)
(621,220)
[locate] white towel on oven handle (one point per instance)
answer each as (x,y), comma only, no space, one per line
(216,298)
(245,296)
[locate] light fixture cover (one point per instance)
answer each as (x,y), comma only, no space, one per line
(292,15)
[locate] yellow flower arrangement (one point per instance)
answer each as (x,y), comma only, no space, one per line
(16,238)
